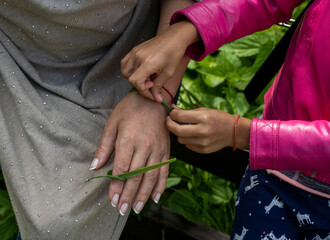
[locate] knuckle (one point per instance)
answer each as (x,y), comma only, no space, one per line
(204,117)
(126,142)
(204,143)
(127,197)
(164,173)
(136,180)
(152,176)
(146,143)
(121,167)
(167,73)
(203,150)
(181,140)
(101,151)
(202,132)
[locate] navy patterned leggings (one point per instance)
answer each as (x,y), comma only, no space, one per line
(269,208)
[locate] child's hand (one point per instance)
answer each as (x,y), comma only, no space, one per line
(149,65)
(207,131)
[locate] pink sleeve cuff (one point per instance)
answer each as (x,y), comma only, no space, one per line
(202,18)
(290,145)
(264,144)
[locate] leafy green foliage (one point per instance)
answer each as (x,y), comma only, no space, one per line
(8,226)
(200,196)
(218,81)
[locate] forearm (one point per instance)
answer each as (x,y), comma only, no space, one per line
(219,22)
(168,7)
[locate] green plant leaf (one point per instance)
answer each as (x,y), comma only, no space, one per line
(173,181)
(241,104)
(249,45)
(124,176)
(182,202)
(213,80)
(167,106)
(8,225)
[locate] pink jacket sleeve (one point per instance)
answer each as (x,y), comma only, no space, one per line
(219,22)
(287,145)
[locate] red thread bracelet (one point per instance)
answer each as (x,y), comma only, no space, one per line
(235,132)
(169,93)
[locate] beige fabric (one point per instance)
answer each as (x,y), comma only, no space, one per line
(59,80)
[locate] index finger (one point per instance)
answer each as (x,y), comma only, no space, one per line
(186,116)
(187,130)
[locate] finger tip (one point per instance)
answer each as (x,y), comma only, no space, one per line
(94,165)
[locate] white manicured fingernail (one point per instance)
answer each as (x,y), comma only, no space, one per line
(123,209)
(94,164)
(114,200)
(138,207)
(157,198)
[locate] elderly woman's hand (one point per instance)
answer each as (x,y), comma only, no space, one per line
(137,134)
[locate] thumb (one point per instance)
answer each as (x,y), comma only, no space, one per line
(105,148)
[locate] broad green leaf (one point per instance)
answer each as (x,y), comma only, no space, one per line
(220,195)
(182,202)
(248,46)
(124,176)
(8,226)
(213,80)
(173,181)
(265,50)
(192,65)
(241,105)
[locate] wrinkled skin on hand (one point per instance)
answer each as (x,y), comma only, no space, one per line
(136,132)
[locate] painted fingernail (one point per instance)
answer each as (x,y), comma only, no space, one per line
(138,207)
(94,164)
(157,198)
(114,200)
(123,209)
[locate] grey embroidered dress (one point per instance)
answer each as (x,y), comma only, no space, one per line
(59,81)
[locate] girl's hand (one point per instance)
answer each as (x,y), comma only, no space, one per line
(149,65)
(208,130)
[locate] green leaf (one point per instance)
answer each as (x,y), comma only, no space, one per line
(124,176)
(192,65)
(172,181)
(167,106)
(247,46)
(182,202)
(241,105)
(213,80)
(8,225)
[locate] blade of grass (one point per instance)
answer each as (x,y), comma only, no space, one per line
(124,176)
(166,105)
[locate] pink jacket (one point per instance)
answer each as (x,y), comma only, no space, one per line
(295,131)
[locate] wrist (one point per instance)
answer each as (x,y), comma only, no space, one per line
(243,133)
(186,32)
(141,101)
